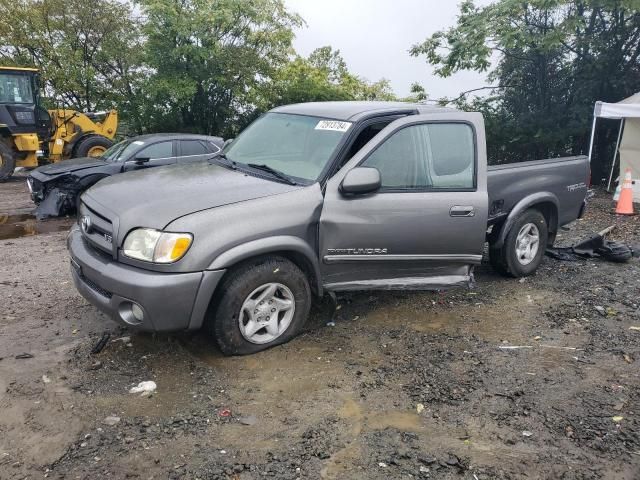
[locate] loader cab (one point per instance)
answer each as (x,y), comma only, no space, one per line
(20,103)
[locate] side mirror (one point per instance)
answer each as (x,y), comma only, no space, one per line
(141,160)
(361,180)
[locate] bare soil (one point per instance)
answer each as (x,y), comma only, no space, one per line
(405,385)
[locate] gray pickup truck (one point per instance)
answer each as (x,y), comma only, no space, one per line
(312,199)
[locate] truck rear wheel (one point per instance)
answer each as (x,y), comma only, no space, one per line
(7,162)
(92,146)
(524,246)
(262,303)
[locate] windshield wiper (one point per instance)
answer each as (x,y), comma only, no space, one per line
(274,172)
(232,163)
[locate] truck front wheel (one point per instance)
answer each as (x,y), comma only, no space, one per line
(261,303)
(524,246)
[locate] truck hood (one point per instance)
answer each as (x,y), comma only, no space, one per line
(155,197)
(73,165)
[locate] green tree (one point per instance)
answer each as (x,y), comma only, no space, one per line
(552,60)
(88,52)
(211,60)
(323,76)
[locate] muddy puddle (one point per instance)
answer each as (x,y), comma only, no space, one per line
(25,225)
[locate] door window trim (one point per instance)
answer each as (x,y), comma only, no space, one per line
(431,189)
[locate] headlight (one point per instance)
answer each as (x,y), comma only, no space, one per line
(155,246)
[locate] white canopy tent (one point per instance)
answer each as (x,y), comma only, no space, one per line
(628,144)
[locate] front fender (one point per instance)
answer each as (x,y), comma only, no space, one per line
(524,204)
(275,244)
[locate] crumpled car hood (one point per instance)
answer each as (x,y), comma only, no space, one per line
(73,165)
(155,197)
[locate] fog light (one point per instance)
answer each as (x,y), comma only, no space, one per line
(131,313)
(137,312)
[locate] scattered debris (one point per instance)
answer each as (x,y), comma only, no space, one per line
(617,418)
(46,379)
(601,310)
(527,433)
(224,412)
(514,347)
(382,465)
(637,329)
(99,346)
(95,365)
(593,246)
(22,356)
(122,339)
(419,407)
(248,420)
(144,388)
(628,358)
(331,324)
(111,420)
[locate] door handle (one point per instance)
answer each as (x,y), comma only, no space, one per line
(462,211)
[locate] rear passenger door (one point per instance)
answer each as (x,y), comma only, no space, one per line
(425,226)
(190,151)
(154,155)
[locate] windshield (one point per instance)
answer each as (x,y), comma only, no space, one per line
(296,145)
(15,88)
(122,151)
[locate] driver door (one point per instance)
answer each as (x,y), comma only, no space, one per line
(424,228)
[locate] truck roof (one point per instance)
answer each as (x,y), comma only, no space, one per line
(354,111)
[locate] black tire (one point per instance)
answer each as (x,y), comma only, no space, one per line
(85,145)
(7,162)
(223,321)
(505,259)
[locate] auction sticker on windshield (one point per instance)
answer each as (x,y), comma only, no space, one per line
(334,125)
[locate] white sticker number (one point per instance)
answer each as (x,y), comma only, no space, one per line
(334,125)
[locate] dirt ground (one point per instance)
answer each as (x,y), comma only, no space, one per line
(405,385)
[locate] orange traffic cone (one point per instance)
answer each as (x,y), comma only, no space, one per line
(625,202)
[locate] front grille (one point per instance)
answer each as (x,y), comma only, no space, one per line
(96,228)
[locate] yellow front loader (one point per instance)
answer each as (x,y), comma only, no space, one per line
(29,132)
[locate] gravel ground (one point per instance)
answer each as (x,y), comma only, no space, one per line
(405,385)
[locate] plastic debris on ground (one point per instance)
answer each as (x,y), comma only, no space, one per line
(144,388)
(594,246)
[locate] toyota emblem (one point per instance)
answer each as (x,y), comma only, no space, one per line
(85,224)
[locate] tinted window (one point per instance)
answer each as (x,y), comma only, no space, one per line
(192,147)
(437,155)
(157,150)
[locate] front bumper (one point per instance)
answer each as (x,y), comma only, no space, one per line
(168,301)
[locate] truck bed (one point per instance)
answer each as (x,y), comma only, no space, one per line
(566,178)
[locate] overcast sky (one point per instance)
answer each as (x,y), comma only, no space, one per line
(374,38)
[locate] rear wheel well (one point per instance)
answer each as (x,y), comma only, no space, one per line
(548,210)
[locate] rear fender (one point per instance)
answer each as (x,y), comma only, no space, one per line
(533,200)
(296,249)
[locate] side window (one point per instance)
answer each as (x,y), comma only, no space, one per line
(427,156)
(156,151)
(451,154)
(400,160)
(192,147)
